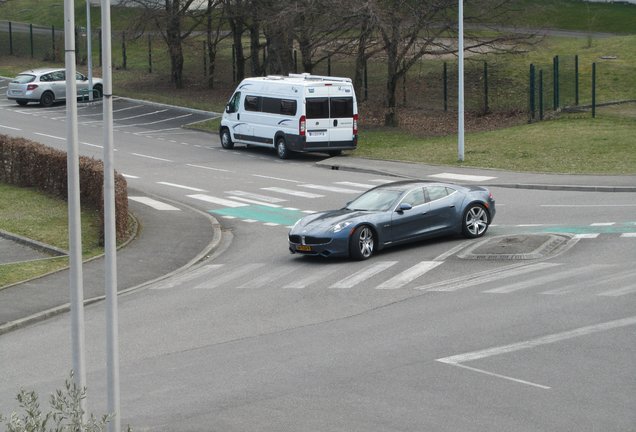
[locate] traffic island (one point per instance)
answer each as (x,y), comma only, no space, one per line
(517,247)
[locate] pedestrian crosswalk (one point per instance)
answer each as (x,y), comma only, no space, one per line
(543,278)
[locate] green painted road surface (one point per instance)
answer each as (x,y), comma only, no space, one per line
(266,214)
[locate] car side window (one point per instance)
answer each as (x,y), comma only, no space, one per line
(415,197)
(57,76)
(436,192)
(233,105)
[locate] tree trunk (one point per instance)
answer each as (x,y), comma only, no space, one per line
(237,34)
(175,50)
(391,115)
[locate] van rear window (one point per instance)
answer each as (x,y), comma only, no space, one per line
(317,108)
(342,107)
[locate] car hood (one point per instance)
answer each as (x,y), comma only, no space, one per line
(325,220)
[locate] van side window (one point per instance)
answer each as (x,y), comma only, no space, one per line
(341,107)
(233,104)
(288,107)
(252,103)
(317,108)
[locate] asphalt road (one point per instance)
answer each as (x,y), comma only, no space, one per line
(255,339)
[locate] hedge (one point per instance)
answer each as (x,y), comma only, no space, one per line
(29,164)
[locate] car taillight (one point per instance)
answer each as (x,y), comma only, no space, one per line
(355,124)
(302,125)
(32,87)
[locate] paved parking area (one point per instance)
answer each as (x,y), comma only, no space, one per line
(128,114)
(13,252)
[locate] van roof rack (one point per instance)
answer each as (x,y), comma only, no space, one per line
(308,76)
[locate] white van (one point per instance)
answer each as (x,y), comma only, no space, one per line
(295,113)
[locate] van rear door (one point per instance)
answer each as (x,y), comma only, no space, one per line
(330,113)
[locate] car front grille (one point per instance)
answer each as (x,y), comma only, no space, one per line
(309,240)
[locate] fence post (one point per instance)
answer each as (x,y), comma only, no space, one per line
(555,95)
(404,85)
(100,48)
(233,63)
(123,50)
(149,53)
(486,107)
(31,38)
(53,42)
(445,80)
(329,65)
(205,61)
(540,94)
(10,39)
(593,90)
(531,94)
(295,61)
(576,80)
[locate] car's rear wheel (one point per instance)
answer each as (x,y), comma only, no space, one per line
(47,99)
(98,91)
(22,102)
(226,139)
(475,221)
(281,148)
(362,243)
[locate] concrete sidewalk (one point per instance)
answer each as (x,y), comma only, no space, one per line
(166,242)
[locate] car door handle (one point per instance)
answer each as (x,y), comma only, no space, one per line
(238,116)
(335,122)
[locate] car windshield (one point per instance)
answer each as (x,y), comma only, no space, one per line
(375,200)
(23,79)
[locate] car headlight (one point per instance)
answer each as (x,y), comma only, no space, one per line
(340,226)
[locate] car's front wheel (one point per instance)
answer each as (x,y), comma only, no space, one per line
(98,91)
(475,221)
(362,243)
(47,99)
(226,139)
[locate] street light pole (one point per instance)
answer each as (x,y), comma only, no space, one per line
(110,237)
(89,51)
(460,84)
(74,217)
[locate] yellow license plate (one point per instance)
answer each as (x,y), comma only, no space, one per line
(303,248)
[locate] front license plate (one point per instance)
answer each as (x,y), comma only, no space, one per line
(303,248)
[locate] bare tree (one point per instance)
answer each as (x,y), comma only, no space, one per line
(168,17)
(214,35)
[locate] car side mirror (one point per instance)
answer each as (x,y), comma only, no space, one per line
(228,109)
(404,207)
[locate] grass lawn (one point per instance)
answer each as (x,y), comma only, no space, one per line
(32,214)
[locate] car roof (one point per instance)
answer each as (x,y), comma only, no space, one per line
(409,184)
(40,71)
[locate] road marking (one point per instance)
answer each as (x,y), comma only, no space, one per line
(180,280)
(358,185)
(485,277)
(157,205)
(456,360)
(518,286)
(381,181)
(364,274)
(276,178)
(267,278)
(151,157)
(251,201)
(603,224)
(463,177)
(130,176)
(140,115)
(292,192)
(254,196)
(181,186)
(409,275)
(631,235)
(208,168)
(315,276)
(215,200)
(50,136)
(588,282)
(330,188)
(152,123)
(9,127)
(227,277)
(586,236)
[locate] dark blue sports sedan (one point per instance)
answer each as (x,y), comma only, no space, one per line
(393,214)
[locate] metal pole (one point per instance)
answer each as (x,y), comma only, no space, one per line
(74,217)
(460,86)
(10,39)
(486,107)
(576,80)
(110,241)
(593,90)
(31,38)
(445,79)
(89,51)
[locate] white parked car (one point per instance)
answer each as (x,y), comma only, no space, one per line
(47,86)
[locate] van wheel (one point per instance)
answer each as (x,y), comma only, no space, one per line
(281,148)
(226,139)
